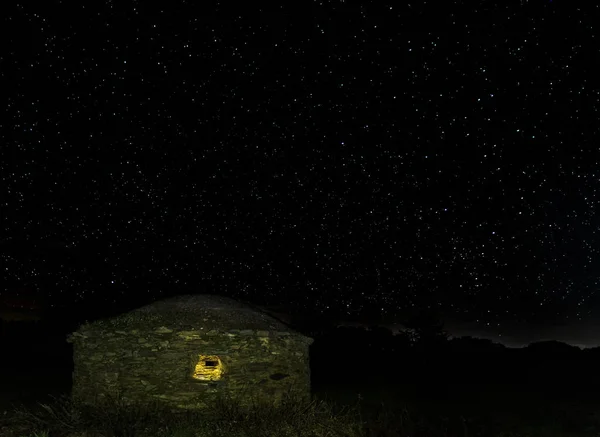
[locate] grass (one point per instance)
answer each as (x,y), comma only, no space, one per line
(64,417)
(369,415)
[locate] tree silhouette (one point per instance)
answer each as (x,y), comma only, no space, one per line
(428,329)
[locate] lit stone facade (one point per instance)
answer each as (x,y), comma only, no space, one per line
(187,350)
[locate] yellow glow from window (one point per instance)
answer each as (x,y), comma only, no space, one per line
(208,368)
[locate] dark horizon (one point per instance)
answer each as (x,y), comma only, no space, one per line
(513,334)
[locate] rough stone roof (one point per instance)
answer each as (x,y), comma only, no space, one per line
(200,312)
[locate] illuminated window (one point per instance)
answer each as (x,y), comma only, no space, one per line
(208,368)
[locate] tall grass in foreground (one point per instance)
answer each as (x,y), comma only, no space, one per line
(112,417)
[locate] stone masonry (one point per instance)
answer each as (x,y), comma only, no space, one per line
(187,350)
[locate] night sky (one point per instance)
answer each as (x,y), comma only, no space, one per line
(353,159)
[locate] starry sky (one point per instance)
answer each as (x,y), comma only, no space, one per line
(364,159)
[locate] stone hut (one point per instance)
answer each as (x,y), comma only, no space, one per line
(185,351)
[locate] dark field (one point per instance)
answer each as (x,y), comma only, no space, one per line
(455,388)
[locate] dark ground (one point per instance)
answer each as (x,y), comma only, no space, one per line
(554,388)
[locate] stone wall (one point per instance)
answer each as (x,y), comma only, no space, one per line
(158,364)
